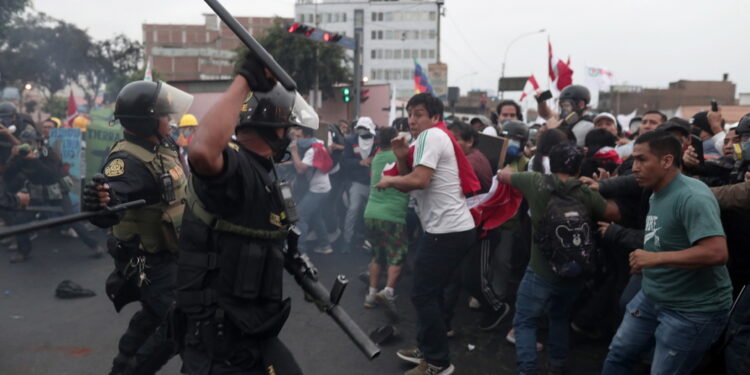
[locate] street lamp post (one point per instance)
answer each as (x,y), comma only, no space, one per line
(505,57)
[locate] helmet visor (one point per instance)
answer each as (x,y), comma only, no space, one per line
(303,114)
(172,102)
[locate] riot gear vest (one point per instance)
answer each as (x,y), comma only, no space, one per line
(157,225)
(234,262)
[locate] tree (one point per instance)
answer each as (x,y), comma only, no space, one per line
(56,106)
(9,9)
(298,57)
(47,52)
(108,59)
(119,81)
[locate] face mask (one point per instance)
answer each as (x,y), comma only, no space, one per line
(364,133)
(278,145)
(514,149)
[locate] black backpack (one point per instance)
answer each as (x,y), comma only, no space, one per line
(566,233)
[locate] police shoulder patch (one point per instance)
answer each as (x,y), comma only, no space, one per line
(115,168)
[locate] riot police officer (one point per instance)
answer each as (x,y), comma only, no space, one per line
(576,120)
(143,241)
(231,248)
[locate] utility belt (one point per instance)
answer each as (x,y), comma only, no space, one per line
(221,338)
(124,252)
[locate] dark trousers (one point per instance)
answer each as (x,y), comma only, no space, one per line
(269,357)
(438,256)
(474,276)
(144,346)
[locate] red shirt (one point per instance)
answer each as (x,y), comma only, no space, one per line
(482,169)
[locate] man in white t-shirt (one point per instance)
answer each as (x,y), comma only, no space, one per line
(319,186)
(433,181)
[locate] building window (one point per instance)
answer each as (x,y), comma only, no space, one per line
(343,17)
(373,54)
(396,74)
(374,35)
(407,53)
(433,16)
(374,16)
(408,74)
(433,34)
(310,18)
(432,53)
(423,54)
(336,17)
(388,54)
(380,53)
(397,54)
(423,34)
(414,53)
(380,34)
(380,16)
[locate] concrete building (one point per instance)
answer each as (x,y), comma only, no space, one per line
(624,99)
(198,52)
(396,33)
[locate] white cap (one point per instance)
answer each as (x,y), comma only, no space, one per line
(605,115)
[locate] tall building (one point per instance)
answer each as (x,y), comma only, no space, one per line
(198,52)
(396,33)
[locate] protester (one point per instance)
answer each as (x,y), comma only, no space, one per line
(542,290)
(467,138)
(547,139)
(508,110)
(385,218)
(483,125)
(601,154)
(358,154)
(438,176)
(686,292)
(313,166)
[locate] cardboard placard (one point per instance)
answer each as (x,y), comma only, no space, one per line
(494,148)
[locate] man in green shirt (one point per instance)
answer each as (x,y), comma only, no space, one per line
(385,219)
(686,293)
(541,291)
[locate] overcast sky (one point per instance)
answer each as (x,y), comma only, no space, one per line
(643,42)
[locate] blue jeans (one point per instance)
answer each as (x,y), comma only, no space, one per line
(535,298)
(310,220)
(680,338)
(438,256)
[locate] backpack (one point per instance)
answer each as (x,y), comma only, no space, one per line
(565,236)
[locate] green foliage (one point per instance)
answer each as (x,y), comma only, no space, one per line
(44,51)
(56,106)
(120,80)
(300,57)
(8,9)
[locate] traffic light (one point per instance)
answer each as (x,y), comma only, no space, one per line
(346,94)
(298,28)
(364,95)
(331,37)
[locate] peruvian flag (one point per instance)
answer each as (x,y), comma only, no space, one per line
(560,72)
(529,89)
(72,110)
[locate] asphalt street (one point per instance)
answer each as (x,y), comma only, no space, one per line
(41,334)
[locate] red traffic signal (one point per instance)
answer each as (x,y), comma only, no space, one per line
(326,37)
(294,27)
(364,95)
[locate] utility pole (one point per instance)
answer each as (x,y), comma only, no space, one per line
(317,99)
(439,14)
(359,21)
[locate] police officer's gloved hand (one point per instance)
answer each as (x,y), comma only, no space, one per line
(92,201)
(254,72)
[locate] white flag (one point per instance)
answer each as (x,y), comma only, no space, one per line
(597,78)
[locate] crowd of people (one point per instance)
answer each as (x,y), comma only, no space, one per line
(628,233)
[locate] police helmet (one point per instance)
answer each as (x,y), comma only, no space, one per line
(575,93)
(140,104)
(277,108)
(744,126)
(515,129)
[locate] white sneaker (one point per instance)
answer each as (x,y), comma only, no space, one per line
(371,301)
(325,250)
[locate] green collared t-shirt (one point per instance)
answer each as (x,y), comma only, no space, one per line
(680,215)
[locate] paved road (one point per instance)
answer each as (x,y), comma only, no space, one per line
(40,334)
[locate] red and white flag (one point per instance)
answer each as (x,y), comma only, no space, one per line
(72,110)
(529,89)
(560,72)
